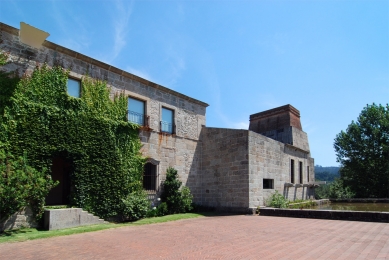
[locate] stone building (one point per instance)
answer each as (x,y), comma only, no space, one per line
(224,168)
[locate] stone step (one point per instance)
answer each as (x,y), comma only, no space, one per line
(71,217)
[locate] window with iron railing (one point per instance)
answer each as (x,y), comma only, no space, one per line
(136,111)
(167,122)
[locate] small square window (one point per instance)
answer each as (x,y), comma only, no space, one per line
(74,88)
(136,111)
(167,122)
(268,184)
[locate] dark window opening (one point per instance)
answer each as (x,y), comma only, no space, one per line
(150,177)
(268,183)
(74,88)
(307,173)
(292,171)
(301,172)
(136,111)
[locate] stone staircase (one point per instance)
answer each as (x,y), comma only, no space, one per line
(69,217)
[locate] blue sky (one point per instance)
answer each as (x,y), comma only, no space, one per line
(326,58)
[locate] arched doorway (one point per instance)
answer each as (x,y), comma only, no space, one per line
(60,171)
(150,175)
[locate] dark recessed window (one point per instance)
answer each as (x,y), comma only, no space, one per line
(136,111)
(292,171)
(150,177)
(307,173)
(268,183)
(167,122)
(301,172)
(74,88)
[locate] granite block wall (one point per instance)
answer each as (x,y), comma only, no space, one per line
(225,179)
(178,150)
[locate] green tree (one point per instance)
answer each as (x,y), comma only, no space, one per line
(177,200)
(363,151)
(21,185)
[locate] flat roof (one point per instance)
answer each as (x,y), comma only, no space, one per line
(277,110)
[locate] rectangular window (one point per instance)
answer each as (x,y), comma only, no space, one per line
(292,171)
(301,172)
(307,173)
(74,88)
(268,184)
(136,111)
(167,122)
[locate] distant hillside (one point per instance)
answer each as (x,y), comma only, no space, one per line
(326,173)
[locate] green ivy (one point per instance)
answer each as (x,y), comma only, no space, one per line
(21,186)
(92,132)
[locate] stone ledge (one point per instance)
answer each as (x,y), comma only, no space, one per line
(368,216)
(67,218)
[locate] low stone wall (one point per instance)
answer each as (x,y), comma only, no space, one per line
(22,218)
(368,216)
(361,200)
(69,217)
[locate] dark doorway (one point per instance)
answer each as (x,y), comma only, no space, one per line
(60,171)
(149,177)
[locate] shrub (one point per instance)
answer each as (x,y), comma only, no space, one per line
(276,200)
(162,209)
(136,205)
(21,186)
(337,190)
(177,201)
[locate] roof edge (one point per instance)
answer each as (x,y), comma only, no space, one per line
(9,29)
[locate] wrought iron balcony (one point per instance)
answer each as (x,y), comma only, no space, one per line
(167,127)
(136,118)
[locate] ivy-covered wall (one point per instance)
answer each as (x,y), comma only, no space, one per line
(92,132)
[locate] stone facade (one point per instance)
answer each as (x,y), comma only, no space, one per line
(175,150)
(224,168)
(236,162)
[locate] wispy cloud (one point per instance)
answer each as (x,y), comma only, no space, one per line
(176,61)
(269,101)
(120,22)
(67,20)
(240,125)
(279,43)
(140,73)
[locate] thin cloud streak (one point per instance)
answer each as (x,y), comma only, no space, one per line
(121,17)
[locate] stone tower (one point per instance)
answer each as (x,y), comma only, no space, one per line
(281,124)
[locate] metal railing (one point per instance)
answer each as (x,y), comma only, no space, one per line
(167,127)
(136,118)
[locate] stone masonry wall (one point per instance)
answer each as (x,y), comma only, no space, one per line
(225,168)
(22,218)
(269,159)
(177,150)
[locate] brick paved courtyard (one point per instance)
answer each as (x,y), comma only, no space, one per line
(219,237)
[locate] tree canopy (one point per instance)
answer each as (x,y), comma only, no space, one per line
(363,151)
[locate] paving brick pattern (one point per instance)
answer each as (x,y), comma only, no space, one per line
(221,237)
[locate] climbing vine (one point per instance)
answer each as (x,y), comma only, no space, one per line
(42,121)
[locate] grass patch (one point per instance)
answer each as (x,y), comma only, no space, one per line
(302,204)
(34,233)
